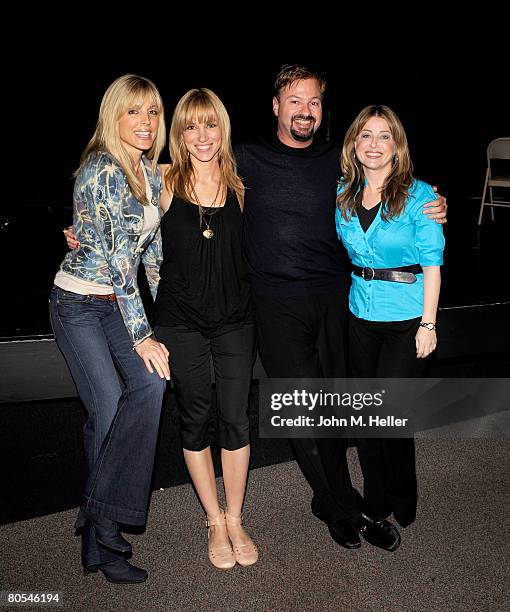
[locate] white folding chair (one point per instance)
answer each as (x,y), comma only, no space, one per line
(497,149)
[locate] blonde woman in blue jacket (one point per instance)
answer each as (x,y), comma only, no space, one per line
(99,321)
(203,310)
(396,252)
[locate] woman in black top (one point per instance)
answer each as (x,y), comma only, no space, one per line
(203,310)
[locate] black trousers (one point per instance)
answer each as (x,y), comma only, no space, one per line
(387,350)
(233,354)
(303,337)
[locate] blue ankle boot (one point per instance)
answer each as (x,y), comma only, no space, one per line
(107,534)
(119,571)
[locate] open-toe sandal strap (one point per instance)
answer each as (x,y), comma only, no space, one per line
(215,520)
(234,521)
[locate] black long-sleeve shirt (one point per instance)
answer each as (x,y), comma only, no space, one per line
(291,246)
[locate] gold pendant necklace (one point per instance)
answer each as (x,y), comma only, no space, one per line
(207,233)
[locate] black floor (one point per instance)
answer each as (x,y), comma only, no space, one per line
(475,257)
(41,453)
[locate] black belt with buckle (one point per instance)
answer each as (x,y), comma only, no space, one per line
(404,274)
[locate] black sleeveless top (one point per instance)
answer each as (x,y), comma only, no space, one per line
(203,282)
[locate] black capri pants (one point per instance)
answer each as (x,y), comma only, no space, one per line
(233,354)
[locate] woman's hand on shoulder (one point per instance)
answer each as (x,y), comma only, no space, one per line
(155,356)
(72,241)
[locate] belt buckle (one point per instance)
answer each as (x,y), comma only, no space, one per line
(363,274)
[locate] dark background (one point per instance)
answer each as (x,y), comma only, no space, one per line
(446,79)
(450,96)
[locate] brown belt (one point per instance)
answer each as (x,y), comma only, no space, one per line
(110,297)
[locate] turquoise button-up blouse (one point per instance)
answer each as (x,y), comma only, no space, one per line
(411,238)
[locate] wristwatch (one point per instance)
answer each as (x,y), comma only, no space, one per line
(430,326)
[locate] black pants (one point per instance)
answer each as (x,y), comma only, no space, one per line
(387,350)
(233,355)
(303,337)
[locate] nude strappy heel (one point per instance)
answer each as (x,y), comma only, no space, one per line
(245,554)
(221,557)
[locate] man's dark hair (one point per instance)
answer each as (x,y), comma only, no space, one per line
(289,73)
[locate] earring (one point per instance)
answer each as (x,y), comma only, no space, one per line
(395,158)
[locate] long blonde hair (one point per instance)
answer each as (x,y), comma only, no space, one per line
(395,190)
(124,92)
(201,105)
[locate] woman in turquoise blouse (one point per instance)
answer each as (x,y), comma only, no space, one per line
(396,252)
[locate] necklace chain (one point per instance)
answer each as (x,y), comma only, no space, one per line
(207,233)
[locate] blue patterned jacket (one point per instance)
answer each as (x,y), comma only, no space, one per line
(108,221)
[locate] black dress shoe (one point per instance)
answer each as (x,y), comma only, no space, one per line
(107,534)
(119,571)
(342,531)
(378,531)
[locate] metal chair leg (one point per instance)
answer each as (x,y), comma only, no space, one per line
(483,197)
